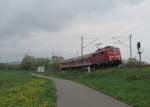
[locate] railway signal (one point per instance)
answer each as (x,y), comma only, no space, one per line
(139,51)
(139,45)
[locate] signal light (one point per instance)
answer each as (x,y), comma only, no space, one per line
(138,45)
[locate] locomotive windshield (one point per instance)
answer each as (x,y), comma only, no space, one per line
(115,49)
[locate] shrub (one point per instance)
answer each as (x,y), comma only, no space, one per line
(132,61)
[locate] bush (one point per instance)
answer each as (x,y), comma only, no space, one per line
(132,61)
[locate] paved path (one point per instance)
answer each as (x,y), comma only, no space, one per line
(71,94)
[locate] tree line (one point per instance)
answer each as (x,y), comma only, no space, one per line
(31,63)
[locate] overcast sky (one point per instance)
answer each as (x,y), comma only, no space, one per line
(45,27)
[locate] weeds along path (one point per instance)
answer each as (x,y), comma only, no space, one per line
(71,94)
(19,89)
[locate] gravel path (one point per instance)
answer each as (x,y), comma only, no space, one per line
(71,94)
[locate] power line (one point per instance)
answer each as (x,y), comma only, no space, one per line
(121,42)
(85,46)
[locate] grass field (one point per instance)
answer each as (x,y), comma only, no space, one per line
(18,89)
(131,85)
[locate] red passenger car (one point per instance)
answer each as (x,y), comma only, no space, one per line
(108,56)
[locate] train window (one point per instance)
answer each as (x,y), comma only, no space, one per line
(115,49)
(94,54)
(102,53)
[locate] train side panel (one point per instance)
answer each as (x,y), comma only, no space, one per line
(109,56)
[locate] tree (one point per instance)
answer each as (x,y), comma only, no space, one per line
(56,61)
(28,63)
(31,63)
(43,62)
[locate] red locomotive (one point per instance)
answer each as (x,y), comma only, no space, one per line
(108,56)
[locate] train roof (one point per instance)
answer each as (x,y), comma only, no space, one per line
(78,58)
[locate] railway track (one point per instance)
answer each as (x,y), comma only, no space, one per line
(133,66)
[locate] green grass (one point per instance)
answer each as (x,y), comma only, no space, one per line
(131,85)
(19,89)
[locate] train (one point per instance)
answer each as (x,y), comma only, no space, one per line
(104,57)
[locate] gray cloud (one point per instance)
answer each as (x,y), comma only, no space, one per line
(23,17)
(43,21)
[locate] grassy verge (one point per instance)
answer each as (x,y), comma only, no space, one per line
(18,89)
(131,85)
